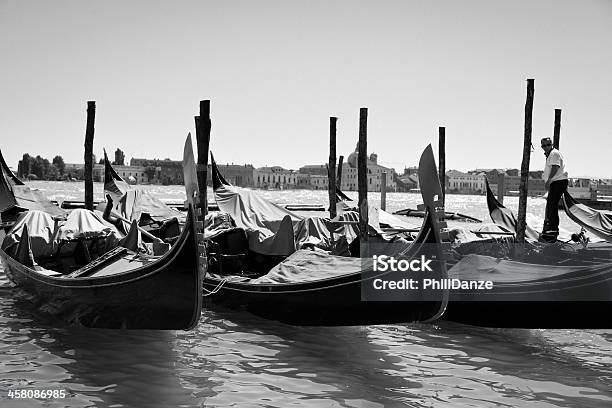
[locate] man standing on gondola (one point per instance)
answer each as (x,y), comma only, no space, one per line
(555,178)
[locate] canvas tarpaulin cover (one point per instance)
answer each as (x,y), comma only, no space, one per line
(269,227)
(597,222)
(133,203)
(41,229)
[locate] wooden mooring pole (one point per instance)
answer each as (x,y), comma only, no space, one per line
(89,138)
(203,126)
(521,223)
(501,187)
(339,178)
(557,129)
(331,169)
(442,160)
(362,176)
(383,190)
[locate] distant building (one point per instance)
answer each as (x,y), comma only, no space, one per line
(314,169)
(604,187)
(535,186)
(465,183)
(161,171)
(408,182)
(410,171)
(275,177)
(240,175)
(318,182)
(131,174)
(375,170)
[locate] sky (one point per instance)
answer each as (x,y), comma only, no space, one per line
(275,71)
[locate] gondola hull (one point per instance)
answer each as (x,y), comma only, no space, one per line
(164,294)
(574,299)
(337,305)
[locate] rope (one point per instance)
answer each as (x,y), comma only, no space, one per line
(215,290)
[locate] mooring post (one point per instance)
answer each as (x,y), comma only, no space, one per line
(501,187)
(339,178)
(89,138)
(362,176)
(442,160)
(383,190)
(557,129)
(203,126)
(521,223)
(331,169)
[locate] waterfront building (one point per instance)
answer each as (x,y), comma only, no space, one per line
(318,182)
(161,171)
(375,170)
(604,187)
(240,175)
(535,186)
(275,177)
(314,169)
(131,174)
(465,183)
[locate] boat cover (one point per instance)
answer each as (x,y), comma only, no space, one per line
(597,222)
(86,224)
(274,230)
(29,199)
(462,235)
(250,211)
(377,217)
(134,203)
(41,229)
(481,267)
(306,265)
(504,217)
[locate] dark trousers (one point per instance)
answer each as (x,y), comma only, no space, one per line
(557,188)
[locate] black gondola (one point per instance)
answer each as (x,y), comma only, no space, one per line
(122,289)
(311,297)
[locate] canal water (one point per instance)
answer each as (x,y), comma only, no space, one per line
(239,360)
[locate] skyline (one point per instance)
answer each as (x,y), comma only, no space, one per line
(276,71)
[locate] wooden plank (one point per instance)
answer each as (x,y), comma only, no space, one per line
(98,263)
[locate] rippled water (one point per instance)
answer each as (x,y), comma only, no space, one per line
(236,359)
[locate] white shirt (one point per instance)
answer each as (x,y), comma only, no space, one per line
(555,158)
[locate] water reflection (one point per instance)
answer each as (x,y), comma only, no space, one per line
(94,367)
(237,359)
(263,363)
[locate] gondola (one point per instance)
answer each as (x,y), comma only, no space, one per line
(311,287)
(531,295)
(121,289)
(503,217)
(557,285)
(580,247)
(597,222)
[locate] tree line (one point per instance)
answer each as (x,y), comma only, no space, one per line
(40,168)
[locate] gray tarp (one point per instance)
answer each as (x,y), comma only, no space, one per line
(46,235)
(597,222)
